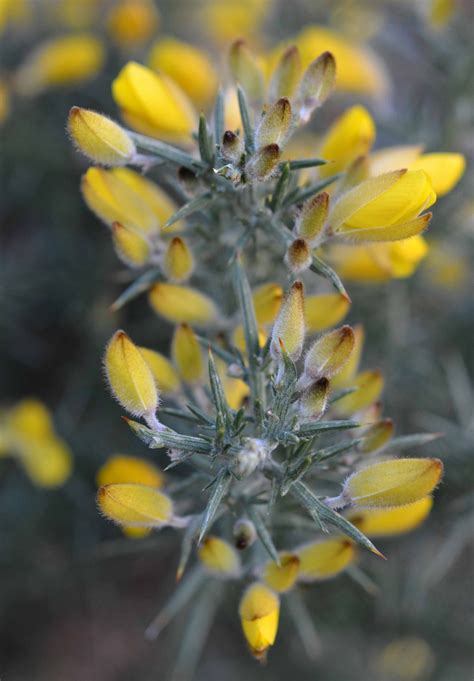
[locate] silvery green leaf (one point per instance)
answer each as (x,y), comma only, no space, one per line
(319,427)
(263,534)
(166,151)
(228,357)
(218,395)
(300,194)
(246,120)
(362,579)
(219,115)
(283,396)
(218,492)
(340,448)
(189,535)
(320,267)
(281,187)
(136,288)
(306,163)
(206,144)
(408,441)
(181,595)
(195,204)
(339,394)
(303,623)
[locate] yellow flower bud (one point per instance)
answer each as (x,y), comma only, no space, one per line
(329,354)
(287,74)
(264,163)
(163,371)
(47,462)
(182,304)
(99,138)
(131,247)
(60,61)
(349,370)
(219,557)
(313,401)
(390,522)
(282,577)
(129,469)
(244,533)
(259,613)
(178,260)
(135,505)
(393,483)
(368,388)
(267,300)
(274,125)
(130,379)
(188,66)
(131,22)
(289,326)
(298,257)
(310,222)
(317,84)
(324,310)
(325,559)
(153,104)
(351,136)
(187,355)
(245,69)
(377,436)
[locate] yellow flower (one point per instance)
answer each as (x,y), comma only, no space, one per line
(259,613)
(325,559)
(358,69)
(131,22)
(28,432)
(328,355)
(60,61)
(135,505)
(187,355)
(393,483)
(129,469)
(289,326)
(99,138)
(389,522)
(440,12)
(153,104)
(219,557)
(324,310)
(310,221)
(376,436)
(352,135)
(182,304)
(188,66)
(267,300)
(444,169)
(131,247)
(163,371)
(178,260)
(129,376)
(282,577)
(368,388)
(225,21)
(124,196)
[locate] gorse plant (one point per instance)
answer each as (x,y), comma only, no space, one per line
(278,423)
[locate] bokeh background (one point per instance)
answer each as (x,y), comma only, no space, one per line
(75,596)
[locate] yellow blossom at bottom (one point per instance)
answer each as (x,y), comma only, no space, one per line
(388,522)
(259,614)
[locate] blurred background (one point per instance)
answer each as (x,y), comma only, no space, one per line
(75,595)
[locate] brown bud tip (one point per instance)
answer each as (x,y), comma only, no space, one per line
(298,256)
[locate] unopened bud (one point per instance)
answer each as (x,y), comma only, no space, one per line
(188,180)
(244,533)
(329,354)
(135,505)
(232,146)
(99,138)
(245,69)
(298,256)
(259,614)
(274,125)
(131,246)
(289,326)
(178,260)
(251,457)
(187,355)
(178,303)
(287,74)
(313,401)
(264,162)
(325,559)
(392,483)
(317,84)
(311,220)
(377,436)
(219,557)
(282,577)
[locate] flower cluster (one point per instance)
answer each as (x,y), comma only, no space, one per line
(262,416)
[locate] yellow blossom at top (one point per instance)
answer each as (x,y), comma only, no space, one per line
(99,138)
(132,22)
(154,104)
(189,67)
(259,614)
(60,61)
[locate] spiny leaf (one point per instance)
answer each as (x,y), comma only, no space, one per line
(303,624)
(408,441)
(219,490)
(263,534)
(306,163)
(218,395)
(166,151)
(322,268)
(219,117)
(281,187)
(138,287)
(187,544)
(195,204)
(300,195)
(318,427)
(246,120)
(206,144)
